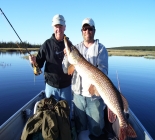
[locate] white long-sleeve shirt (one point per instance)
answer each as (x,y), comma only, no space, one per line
(96,55)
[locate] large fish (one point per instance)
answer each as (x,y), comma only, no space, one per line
(103,85)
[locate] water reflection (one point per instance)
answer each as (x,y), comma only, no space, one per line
(3,64)
(136,76)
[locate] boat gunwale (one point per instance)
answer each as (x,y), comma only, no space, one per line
(140,125)
(6,123)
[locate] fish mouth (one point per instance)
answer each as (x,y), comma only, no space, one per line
(68,44)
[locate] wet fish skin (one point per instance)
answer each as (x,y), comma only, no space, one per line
(104,86)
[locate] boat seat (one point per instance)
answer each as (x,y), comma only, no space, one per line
(35,107)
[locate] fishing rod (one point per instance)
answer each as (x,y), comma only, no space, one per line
(14,30)
(36,69)
(119,87)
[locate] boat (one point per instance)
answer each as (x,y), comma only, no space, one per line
(12,128)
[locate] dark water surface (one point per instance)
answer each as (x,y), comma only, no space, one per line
(136,75)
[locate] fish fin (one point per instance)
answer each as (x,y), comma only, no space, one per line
(93,91)
(111,116)
(125,104)
(71,69)
(127,132)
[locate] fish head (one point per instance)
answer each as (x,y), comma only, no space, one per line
(71,51)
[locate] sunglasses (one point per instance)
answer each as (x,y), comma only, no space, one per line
(87,28)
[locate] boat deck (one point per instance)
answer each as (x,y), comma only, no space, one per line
(12,128)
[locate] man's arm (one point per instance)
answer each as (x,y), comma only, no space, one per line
(41,57)
(65,64)
(102,60)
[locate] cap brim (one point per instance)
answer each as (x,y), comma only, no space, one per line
(58,22)
(88,24)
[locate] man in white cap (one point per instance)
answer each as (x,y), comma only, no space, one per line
(88,108)
(51,53)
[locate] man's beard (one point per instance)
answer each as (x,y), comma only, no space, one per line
(88,39)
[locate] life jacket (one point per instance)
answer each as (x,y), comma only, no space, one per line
(50,122)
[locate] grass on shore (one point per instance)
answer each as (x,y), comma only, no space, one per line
(145,54)
(17,49)
(138,53)
(111,52)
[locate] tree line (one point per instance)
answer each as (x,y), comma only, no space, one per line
(17,45)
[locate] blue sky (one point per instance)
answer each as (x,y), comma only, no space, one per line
(118,22)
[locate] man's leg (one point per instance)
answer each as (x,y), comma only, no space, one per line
(66,94)
(79,113)
(95,114)
(49,90)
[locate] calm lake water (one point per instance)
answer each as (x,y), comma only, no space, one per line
(136,75)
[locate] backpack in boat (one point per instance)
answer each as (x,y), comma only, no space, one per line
(50,122)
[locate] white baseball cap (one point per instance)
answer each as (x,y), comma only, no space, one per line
(58,19)
(88,21)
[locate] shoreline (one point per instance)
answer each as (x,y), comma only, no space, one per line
(137,53)
(111,52)
(17,49)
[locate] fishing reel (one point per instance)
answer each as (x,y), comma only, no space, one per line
(36,69)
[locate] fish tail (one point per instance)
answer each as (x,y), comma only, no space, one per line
(127,132)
